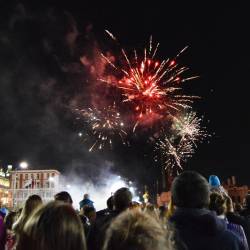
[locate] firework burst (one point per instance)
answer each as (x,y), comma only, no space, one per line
(173,156)
(152,87)
(188,127)
(105,124)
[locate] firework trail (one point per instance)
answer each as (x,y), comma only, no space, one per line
(151,86)
(105,124)
(188,127)
(173,156)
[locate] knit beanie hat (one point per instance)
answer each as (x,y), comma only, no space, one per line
(214,181)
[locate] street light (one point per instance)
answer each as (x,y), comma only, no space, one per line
(23,165)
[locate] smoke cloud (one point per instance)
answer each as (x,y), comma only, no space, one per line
(105,185)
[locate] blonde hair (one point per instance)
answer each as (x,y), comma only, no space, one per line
(54,226)
(135,230)
(31,204)
(170,209)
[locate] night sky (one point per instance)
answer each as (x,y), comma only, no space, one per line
(41,79)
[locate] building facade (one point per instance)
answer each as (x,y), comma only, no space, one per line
(24,183)
(5,194)
(237,193)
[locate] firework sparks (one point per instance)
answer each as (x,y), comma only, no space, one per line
(151,86)
(105,124)
(189,127)
(171,156)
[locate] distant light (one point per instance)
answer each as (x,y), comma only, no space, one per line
(130,182)
(68,186)
(80,134)
(119,177)
(9,167)
(51,178)
(24,165)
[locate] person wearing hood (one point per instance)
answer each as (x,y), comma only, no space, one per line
(197,227)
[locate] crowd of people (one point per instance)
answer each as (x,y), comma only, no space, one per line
(200,216)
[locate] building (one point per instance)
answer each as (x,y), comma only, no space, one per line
(24,183)
(237,193)
(5,194)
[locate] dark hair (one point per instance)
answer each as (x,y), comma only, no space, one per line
(122,199)
(135,230)
(55,226)
(190,190)
(217,203)
(110,203)
(9,219)
(88,209)
(64,197)
(247,200)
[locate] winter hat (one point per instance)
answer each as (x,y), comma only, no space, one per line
(3,211)
(214,181)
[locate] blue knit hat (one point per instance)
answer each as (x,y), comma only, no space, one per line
(3,211)
(214,181)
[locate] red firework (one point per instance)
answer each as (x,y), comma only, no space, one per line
(152,87)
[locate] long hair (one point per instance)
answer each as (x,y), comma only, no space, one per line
(31,204)
(54,226)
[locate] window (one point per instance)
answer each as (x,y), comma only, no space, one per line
(48,175)
(47,185)
(37,176)
(38,185)
(26,176)
(53,174)
(52,185)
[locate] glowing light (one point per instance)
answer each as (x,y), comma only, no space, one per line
(188,127)
(149,85)
(23,165)
(173,156)
(105,124)
(51,179)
